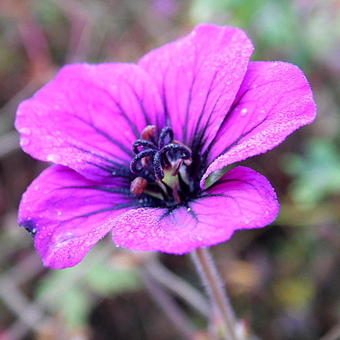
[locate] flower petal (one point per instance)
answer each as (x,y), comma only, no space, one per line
(242,199)
(198,77)
(68,214)
(89,116)
(274,100)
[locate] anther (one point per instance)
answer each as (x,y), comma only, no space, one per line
(138,185)
(148,132)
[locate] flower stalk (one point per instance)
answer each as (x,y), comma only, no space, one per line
(208,273)
(164,301)
(177,286)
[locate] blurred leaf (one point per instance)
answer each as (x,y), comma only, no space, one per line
(293,214)
(75,306)
(294,293)
(322,30)
(70,291)
(73,303)
(48,12)
(103,280)
(242,276)
(316,175)
(241,12)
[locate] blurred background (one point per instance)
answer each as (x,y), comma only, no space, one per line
(284,280)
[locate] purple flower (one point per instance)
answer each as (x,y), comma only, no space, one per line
(133,145)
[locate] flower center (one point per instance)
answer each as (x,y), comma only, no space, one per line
(161,165)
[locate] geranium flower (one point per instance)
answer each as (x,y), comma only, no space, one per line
(133,145)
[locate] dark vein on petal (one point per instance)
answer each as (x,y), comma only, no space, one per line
(191,212)
(198,123)
(185,127)
(131,124)
(165,101)
(223,196)
(102,167)
(106,135)
(241,137)
(239,181)
(114,172)
(225,120)
(141,105)
(90,152)
(100,188)
(117,207)
(215,195)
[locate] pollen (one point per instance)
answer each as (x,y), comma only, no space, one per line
(138,185)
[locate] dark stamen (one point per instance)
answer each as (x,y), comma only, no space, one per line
(167,132)
(144,143)
(159,163)
(157,166)
(185,151)
(134,163)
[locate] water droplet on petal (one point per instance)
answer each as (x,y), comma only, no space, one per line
(25,130)
(261,115)
(53,158)
(244,111)
(62,240)
(24,141)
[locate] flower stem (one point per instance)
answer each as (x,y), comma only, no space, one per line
(178,286)
(164,301)
(213,283)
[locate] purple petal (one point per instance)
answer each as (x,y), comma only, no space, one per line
(68,214)
(198,77)
(242,199)
(274,100)
(89,116)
